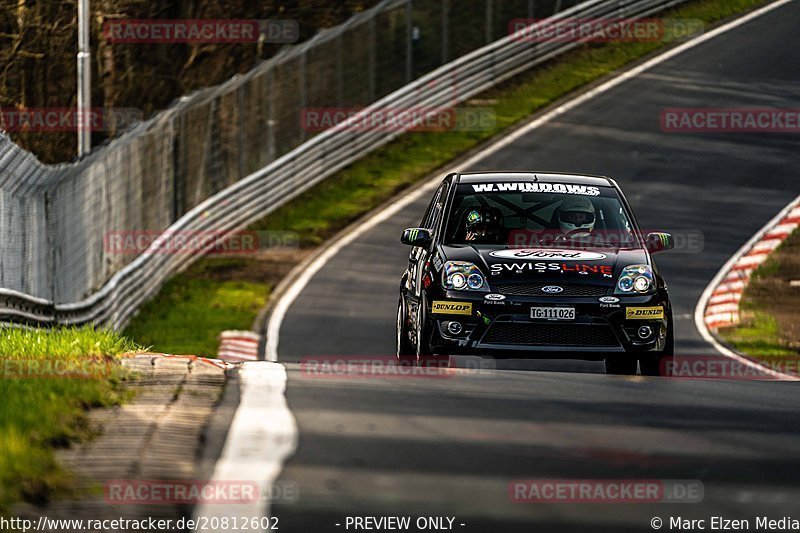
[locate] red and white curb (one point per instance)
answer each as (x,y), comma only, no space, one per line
(719,303)
(722,307)
(238,346)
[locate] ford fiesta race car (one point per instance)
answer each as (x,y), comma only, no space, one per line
(510,264)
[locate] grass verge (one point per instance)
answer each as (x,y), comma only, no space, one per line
(194,307)
(770,307)
(339,200)
(49,379)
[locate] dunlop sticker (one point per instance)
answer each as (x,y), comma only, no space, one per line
(452,308)
(644,313)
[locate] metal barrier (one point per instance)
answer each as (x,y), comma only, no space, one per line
(256,195)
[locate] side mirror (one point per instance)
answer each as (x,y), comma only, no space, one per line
(659,241)
(416,237)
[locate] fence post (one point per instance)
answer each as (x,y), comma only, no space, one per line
(372,60)
(177,147)
(445,30)
(409,47)
(303,79)
(269,87)
(489,15)
(339,69)
(241,169)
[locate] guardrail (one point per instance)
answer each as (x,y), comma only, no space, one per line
(260,193)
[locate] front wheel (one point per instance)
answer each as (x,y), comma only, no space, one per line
(661,363)
(424,354)
(422,333)
(405,353)
(434,361)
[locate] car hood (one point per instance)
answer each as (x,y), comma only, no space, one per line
(566,265)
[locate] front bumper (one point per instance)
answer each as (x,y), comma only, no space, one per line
(505,328)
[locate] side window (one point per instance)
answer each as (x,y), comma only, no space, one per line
(429,212)
(434,211)
(438,208)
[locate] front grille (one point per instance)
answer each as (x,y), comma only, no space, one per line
(535,289)
(550,334)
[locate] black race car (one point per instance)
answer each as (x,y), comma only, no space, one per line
(534,265)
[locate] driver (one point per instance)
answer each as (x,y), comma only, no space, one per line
(576,216)
(483,225)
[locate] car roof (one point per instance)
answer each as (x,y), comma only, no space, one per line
(547,177)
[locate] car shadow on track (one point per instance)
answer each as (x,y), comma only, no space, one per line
(529,365)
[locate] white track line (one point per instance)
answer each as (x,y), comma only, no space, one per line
(262,435)
(294,290)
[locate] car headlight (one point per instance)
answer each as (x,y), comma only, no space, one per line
(636,279)
(463,276)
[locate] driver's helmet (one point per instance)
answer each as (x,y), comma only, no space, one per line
(483,224)
(576,214)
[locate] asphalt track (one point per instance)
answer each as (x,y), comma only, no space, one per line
(451,446)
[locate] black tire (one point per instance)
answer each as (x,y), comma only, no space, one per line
(621,364)
(405,353)
(661,363)
(423,334)
(424,355)
(434,361)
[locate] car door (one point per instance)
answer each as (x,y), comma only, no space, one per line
(418,257)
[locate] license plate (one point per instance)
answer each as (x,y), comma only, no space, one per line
(553,313)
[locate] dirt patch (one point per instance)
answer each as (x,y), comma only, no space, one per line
(267,266)
(771,290)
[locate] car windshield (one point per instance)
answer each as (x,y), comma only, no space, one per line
(530,214)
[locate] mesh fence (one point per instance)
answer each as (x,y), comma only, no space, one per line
(55,221)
